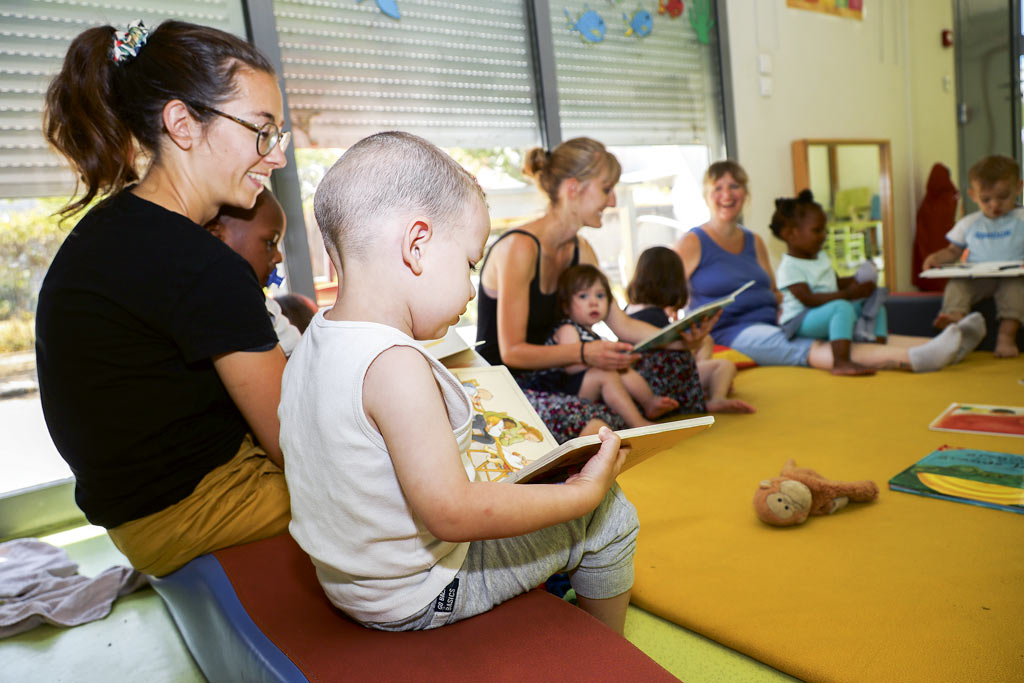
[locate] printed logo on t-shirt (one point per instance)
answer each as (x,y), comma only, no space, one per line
(446,599)
(992,235)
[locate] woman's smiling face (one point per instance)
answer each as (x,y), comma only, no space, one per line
(238,173)
(725,198)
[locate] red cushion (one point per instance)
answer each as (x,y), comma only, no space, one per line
(534,637)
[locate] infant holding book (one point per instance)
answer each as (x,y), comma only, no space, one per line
(372,426)
(995,233)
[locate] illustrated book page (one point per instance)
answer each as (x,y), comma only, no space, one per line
(984,478)
(510,442)
(670,332)
(974,418)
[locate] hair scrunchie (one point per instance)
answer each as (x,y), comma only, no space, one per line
(128,43)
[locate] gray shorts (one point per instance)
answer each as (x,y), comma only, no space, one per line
(596,549)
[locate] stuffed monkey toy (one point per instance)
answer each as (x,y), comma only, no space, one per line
(788,499)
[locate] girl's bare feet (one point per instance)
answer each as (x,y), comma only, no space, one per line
(658,406)
(729,405)
(850,369)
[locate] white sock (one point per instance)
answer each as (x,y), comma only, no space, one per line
(938,352)
(972,331)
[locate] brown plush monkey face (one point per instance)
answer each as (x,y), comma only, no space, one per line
(782,502)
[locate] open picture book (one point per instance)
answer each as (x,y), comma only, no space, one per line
(983,269)
(670,332)
(511,444)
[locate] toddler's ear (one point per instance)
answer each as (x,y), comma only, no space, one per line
(414,244)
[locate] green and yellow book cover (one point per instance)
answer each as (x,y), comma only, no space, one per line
(965,475)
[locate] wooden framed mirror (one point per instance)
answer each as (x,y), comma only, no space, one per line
(852,181)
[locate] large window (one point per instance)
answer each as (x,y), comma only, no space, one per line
(469,75)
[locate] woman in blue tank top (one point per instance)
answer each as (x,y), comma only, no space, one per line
(722,255)
(517,306)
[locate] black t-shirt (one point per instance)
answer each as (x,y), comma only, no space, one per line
(135,305)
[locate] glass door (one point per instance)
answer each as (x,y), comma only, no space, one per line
(987,40)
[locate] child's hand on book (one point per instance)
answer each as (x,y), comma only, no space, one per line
(693,336)
(602,468)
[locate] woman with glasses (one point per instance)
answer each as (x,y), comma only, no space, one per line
(159,369)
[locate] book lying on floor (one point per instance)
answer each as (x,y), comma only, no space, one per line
(670,332)
(983,269)
(511,444)
(985,478)
(974,418)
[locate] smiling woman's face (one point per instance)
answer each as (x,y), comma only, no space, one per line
(725,198)
(237,173)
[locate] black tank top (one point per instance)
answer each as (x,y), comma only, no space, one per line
(543,314)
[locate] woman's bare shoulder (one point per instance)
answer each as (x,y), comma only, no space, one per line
(688,248)
(514,253)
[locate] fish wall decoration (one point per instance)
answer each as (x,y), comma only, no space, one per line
(641,23)
(589,25)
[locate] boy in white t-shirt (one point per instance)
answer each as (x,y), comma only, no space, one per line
(996,233)
(372,427)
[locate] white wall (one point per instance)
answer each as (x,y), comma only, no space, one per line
(932,91)
(841,78)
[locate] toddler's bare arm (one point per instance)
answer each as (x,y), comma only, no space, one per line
(402,400)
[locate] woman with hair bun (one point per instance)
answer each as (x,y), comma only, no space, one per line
(159,369)
(518,307)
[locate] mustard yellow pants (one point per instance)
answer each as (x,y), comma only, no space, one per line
(243,500)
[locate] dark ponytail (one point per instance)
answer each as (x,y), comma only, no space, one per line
(100,113)
(789,211)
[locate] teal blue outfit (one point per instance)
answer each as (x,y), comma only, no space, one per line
(840,319)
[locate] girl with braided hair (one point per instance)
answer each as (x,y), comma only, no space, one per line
(815,302)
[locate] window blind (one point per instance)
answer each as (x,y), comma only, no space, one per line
(662,89)
(456,72)
(34,36)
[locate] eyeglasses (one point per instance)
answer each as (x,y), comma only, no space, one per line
(268,135)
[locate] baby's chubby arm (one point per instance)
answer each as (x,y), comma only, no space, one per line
(402,400)
(567,334)
(948,254)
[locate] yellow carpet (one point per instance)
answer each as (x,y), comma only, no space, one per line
(903,589)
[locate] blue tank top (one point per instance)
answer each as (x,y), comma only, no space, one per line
(719,273)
